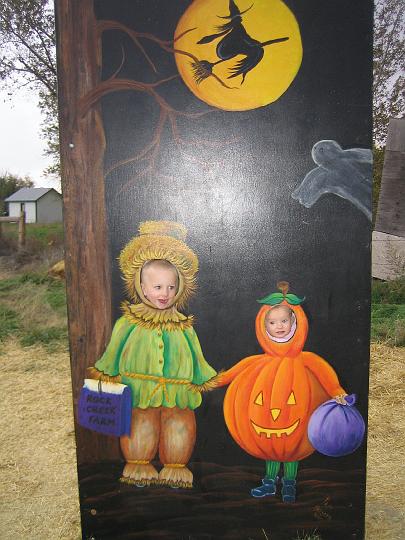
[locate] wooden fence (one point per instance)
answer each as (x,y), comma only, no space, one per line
(21,227)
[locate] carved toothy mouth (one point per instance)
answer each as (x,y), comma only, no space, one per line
(277,432)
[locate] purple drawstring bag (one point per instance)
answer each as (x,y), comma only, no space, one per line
(105,407)
(336,430)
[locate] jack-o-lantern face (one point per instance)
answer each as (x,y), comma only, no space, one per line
(267,408)
(275,413)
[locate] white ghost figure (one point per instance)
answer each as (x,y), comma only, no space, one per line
(345,173)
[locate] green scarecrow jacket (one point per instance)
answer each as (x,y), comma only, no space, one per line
(154,351)
(162,367)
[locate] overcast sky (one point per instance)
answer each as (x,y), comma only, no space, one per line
(21,147)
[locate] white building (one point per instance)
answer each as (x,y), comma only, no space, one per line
(41,205)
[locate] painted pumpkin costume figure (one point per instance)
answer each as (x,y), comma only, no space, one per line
(271,396)
(155,351)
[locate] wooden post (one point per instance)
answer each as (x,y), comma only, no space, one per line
(389,234)
(391,204)
(21,230)
(82,146)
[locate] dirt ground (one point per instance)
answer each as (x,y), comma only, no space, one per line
(39,496)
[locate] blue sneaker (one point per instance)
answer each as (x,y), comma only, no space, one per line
(267,488)
(288,490)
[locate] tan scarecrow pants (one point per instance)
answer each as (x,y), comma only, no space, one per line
(172,432)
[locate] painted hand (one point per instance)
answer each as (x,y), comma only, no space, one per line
(209,385)
(341,399)
(94,373)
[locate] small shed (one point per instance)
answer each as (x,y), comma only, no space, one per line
(41,205)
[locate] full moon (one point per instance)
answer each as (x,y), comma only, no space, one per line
(240,54)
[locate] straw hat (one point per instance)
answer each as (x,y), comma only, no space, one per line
(159,240)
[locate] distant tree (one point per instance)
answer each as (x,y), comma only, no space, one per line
(9,184)
(389,61)
(28,59)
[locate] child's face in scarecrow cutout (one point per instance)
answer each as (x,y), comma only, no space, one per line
(279,321)
(159,282)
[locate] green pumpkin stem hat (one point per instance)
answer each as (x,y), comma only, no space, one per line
(276,298)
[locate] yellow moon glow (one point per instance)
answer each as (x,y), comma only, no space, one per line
(266,81)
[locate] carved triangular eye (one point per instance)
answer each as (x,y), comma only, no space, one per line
(291,399)
(259,399)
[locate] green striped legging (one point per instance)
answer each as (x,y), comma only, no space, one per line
(290,469)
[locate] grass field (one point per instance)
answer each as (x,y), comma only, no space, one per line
(388,312)
(33,305)
(33,310)
(40,233)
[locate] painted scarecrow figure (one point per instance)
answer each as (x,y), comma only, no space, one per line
(271,396)
(155,351)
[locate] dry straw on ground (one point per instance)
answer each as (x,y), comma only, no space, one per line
(39,498)
(386,445)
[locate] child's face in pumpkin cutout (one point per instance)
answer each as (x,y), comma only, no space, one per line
(159,282)
(279,321)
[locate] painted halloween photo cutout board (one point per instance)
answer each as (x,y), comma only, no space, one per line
(189,134)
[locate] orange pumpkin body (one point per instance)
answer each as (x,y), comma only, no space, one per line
(271,396)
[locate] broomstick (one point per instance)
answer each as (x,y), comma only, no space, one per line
(202,69)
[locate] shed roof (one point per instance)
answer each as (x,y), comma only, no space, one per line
(29,194)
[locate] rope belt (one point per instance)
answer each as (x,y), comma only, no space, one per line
(161,382)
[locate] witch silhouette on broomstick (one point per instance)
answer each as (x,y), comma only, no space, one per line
(235,41)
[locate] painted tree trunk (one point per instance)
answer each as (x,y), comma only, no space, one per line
(82,145)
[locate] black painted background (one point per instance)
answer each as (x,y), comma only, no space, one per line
(243,224)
